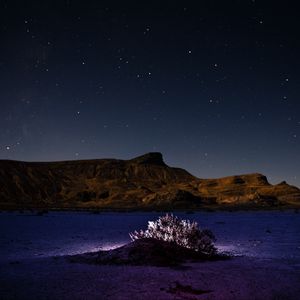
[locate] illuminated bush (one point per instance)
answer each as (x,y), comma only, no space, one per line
(182,232)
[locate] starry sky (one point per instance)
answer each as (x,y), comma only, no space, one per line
(213,85)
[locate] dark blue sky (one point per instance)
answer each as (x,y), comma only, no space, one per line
(213,86)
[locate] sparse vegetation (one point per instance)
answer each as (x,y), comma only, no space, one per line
(184,233)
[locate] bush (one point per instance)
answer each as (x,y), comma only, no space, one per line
(181,232)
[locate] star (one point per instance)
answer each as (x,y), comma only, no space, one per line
(147,30)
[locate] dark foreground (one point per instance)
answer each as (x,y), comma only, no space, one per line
(238,278)
(266,262)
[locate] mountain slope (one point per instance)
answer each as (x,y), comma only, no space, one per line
(145,182)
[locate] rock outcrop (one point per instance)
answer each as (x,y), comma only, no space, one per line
(145,182)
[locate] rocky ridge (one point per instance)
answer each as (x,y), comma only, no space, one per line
(144,183)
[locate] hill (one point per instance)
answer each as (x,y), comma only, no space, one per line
(145,182)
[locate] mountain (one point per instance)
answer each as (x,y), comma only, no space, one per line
(145,182)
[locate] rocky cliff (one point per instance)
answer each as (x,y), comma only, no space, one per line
(145,182)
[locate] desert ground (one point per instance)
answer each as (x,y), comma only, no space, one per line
(265,261)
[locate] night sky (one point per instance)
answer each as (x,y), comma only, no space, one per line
(213,85)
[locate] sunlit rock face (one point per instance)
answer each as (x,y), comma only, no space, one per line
(144,182)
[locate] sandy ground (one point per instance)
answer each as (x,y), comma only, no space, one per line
(237,278)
